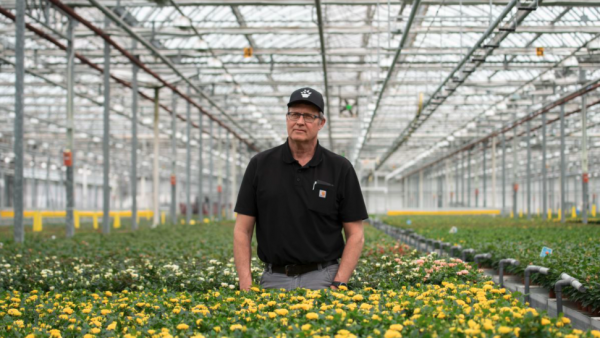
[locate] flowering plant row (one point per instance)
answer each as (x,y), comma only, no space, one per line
(447,310)
(576,247)
(97,264)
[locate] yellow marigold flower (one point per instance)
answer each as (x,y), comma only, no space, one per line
(565,320)
(306,327)
(108,294)
(272,314)
(237,327)
(357,298)
(104,312)
(87,335)
(183,326)
(545,321)
(504,330)
(392,334)
(441,315)
(68,310)
(151,331)
(14,312)
(282,312)
(595,333)
(86,310)
(31,335)
(517,330)
(312,315)
(112,326)
(95,330)
(217,328)
(54,333)
(396,327)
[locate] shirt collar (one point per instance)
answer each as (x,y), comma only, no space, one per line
(286,155)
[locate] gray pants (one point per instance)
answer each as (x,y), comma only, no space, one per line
(314,280)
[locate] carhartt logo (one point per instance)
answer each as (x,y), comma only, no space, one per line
(305,93)
(322,193)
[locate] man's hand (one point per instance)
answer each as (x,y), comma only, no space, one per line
(245,286)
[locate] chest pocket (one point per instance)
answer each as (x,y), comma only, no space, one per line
(322,198)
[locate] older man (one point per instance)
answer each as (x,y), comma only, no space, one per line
(300,196)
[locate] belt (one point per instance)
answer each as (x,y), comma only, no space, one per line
(299,269)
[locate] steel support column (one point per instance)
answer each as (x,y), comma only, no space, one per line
(563,165)
(18,228)
(528,178)
(188,162)
(106,140)
(173,206)
(584,161)
(494,172)
(484,176)
(544,171)
(211,172)
(469,178)
(227,180)
(421,200)
(134,143)
(220,175)
(156,163)
(70,183)
(503,174)
(456,181)
(462,184)
(514,175)
(200,168)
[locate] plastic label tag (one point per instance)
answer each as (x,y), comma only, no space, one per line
(322,193)
(545,252)
(453,230)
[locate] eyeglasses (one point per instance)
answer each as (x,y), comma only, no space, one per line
(308,118)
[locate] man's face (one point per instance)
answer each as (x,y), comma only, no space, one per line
(302,131)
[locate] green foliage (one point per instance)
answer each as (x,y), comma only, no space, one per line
(576,247)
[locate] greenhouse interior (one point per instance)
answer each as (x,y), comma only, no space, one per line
(145,148)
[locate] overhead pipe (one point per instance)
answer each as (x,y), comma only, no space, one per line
(566,280)
(501,264)
(528,271)
(86,61)
(413,13)
(413,124)
(324,61)
(71,12)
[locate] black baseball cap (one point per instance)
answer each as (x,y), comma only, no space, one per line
(307,95)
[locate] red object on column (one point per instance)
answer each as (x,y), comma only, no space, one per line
(515,187)
(68,158)
(173,180)
(476,192)
(219,188)
(586,177)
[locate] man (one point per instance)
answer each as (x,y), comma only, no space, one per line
(301,196)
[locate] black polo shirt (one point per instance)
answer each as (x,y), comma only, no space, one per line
(299,210)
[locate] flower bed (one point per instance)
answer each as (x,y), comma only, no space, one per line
(181,281)
(576,247)
(466,309)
